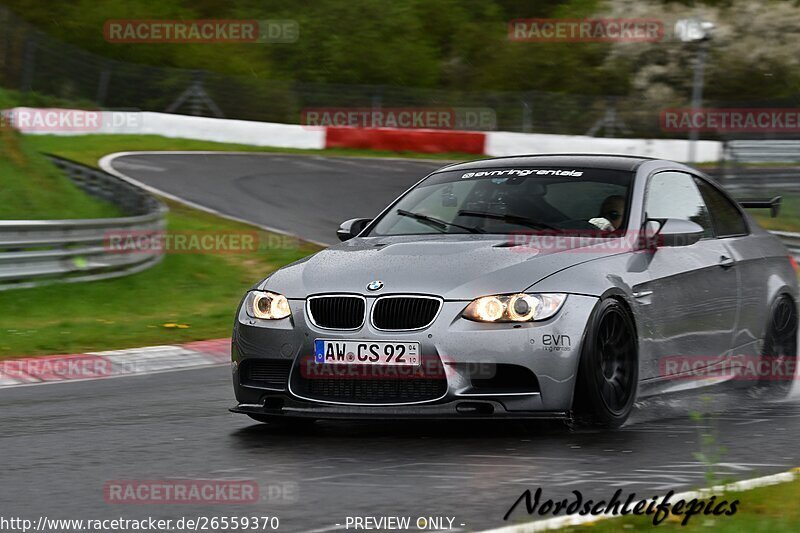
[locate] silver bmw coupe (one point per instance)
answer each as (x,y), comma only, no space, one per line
(554,286)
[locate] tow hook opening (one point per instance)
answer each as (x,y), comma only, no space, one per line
(273,403)
(474,408)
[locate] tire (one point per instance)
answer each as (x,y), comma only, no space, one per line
(779,353)
(283,421)
(608,373)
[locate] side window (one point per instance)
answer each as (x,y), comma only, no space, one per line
(728,221)
(675,195)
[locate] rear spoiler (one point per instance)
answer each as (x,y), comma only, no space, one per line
(773,205)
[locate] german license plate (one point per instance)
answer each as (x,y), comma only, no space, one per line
(349,352)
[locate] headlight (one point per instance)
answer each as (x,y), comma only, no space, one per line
(267,305)
(514,307)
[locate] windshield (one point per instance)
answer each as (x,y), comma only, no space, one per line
(504,201)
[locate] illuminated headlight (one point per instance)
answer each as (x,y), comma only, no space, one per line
(267,305)
(514,307)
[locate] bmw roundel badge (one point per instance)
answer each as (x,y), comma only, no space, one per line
(375,285)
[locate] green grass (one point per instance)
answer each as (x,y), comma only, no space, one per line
(31,187)
(10,98)
(186,297)
(787,220)
(767,509)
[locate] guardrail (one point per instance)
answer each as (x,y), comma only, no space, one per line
(780,174)
(130,199)
(38,252)
(755,181)
(762,151)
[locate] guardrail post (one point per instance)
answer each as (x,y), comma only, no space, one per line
(102,85)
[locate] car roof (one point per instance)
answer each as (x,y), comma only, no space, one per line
(614,162)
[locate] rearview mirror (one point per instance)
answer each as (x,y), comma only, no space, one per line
(350,228)
(673,232)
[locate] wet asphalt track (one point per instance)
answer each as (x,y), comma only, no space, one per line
(61,443)
(308,196)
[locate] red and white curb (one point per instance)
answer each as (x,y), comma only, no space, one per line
(116,363)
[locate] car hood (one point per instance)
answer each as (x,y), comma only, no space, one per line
(454,267)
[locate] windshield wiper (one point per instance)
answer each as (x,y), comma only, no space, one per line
(436,223)
(513,219)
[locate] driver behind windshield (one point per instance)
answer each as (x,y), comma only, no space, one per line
(612,212)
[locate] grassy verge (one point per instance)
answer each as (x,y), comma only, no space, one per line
(10,98)
(186,297)
(787,220)
(32,188)
(767,509)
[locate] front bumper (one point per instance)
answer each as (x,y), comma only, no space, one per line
(549,351)
(453,409)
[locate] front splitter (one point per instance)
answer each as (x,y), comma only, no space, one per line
(460,409)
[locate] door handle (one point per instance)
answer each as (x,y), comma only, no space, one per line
(726,262)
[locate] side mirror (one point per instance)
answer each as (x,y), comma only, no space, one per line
(673,232)
(350,228)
